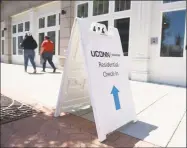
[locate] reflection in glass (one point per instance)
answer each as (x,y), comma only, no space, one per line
(170,1)
(42,22)
(20,27)
(41,39)
(20,49)
(100,7)
(59,18)
(27,26)
(52,35)
(59,42)
(14,29)
(82,10)
(123,27)
(121,5)
(51,20)
(14,45)
(2,33)
(173,28)
(2,48)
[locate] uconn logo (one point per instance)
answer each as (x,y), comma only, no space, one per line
(100,54)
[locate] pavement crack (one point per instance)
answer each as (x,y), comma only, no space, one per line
(175,129)
(153,103)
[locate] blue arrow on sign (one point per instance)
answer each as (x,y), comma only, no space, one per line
(115,92)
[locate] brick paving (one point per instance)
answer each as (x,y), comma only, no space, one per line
(43,130)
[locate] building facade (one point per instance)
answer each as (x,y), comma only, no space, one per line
(153,33)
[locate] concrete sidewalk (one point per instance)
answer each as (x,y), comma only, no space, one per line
(161,109)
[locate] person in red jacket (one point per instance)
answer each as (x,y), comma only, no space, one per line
(47,49)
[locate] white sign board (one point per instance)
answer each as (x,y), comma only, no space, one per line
(95,64)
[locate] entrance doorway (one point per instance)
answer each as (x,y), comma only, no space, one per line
(168,56)
(49,25)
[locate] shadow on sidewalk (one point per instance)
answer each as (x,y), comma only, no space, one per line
(43,130)
(35,73)
(54,73)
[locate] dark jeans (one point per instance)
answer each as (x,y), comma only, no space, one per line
(47,56)
(29,55)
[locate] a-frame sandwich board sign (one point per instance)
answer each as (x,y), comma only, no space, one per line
(95,73)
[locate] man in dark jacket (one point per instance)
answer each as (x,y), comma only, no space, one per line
(29,45)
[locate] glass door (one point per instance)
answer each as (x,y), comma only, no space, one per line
(173,34)
(52,35)
(168,56)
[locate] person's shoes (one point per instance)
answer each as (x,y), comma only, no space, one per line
(54,70)
(26,71)
(34,71)
(43,70)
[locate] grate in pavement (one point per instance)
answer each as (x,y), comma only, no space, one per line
(12,110)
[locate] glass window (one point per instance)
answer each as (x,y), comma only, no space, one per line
(170,1)
(2,33)
(27,26)
(123,27)
(82,10)
(52,35)
(51,20)
(59,42)
(121,5)
(20,27)
(173,28)
(14,45)
(41,39)
(20,49)
(42,22)
(59,18)
(104,23)
(14,29)
(100,7)
(2,47)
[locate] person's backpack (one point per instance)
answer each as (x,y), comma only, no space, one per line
(34,44)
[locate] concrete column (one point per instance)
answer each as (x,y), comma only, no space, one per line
(33,22)
(66,23)
(8,41)
(140,39)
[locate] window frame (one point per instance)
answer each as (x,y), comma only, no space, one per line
(46,29)
(2,33)
(18,45)
(25,26)
(39,22)
(16,27)
(22,27)
(120,5)
(160,46)
(82,4)
(47,25)
(15,45)
(128,33)
(169,2)
(98,13)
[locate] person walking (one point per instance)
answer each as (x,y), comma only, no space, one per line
(29,45)
(46,52)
